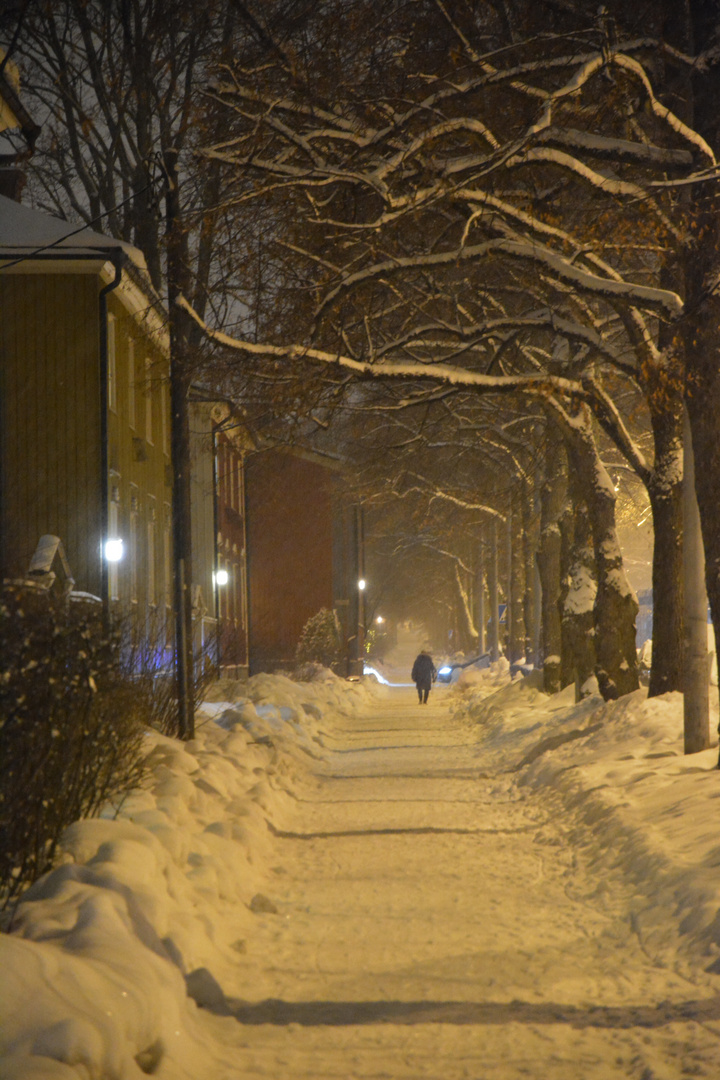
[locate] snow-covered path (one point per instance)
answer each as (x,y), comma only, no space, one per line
(433,920)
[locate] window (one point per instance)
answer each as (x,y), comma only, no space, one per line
(132,417)
(111,364)
(133,543)
(149,437)
(151,563)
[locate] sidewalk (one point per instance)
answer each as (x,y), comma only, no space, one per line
(431,922)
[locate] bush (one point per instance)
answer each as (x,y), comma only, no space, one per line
(320,640)
(71,727)
(155,686)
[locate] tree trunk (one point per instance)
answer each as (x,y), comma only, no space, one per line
(553,499)
(699,326)
(578,609)
(480,616)
(493,599)
(697,705)
(516,579)
(530,528)
(466,630)
(665,491)
(616,606)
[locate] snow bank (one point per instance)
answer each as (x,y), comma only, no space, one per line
(632,802)
(151,903)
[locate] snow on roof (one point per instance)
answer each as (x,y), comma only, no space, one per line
(25,232)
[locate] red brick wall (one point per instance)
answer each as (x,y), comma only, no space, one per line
(289,543)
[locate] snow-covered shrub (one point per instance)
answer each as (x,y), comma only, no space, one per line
(320,640)
(149,664)
(71,727)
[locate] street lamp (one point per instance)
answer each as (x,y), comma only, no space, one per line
(361,623)
(221,577)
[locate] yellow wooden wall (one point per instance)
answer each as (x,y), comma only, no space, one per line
(50,420)
(50,435)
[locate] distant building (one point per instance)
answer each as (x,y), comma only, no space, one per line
(218,446)
(302,555)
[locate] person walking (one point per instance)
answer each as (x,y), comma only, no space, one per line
(423,675)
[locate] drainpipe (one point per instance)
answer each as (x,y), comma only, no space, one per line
(117,260)
(216,520)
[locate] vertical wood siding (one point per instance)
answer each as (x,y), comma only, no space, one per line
(49,339)
(51,454)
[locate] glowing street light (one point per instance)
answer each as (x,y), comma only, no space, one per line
(114,549)
(361,584)
(379,620)
(221,577)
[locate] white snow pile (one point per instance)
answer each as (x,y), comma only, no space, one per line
(147,915)
(633,803)
(151,903)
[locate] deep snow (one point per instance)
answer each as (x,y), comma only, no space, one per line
(496,885)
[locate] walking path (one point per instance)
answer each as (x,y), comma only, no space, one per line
(433,922)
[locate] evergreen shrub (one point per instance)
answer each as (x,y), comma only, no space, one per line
(320,640)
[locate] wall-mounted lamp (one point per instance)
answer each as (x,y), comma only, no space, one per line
(221,577)
(114,549)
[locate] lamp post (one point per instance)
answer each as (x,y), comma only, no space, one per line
(361,623)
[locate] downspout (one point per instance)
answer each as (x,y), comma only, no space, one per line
(216,520)
(117,260)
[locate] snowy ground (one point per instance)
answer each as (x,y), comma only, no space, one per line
(334,882)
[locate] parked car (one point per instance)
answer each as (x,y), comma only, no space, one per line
(448,672)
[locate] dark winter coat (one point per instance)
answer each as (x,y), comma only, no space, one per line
(423,673)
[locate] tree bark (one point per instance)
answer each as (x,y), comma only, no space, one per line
(665,492)
(699,327)
(697,705)
(480,617)
(553,499)
(493,628)
(616,606)
(516,579)
(530,528)
(578,606)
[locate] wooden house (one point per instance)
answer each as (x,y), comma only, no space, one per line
(218,447)
(302,555)
(84,415)
(18,130)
